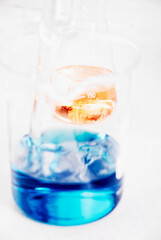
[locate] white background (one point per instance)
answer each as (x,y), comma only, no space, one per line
(138,216)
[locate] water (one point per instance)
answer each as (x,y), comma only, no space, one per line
(66,177)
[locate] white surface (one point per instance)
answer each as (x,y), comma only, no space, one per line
(138,216)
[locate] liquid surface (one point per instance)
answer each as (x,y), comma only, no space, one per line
(66,177)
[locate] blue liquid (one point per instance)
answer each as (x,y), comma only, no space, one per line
(59,194)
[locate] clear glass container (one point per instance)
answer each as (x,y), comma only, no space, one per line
(68,129)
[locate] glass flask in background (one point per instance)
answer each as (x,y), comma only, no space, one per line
(68,143)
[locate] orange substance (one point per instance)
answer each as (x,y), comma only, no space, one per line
(94,104)
(90,107)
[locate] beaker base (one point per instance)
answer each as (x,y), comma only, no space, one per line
(64,204)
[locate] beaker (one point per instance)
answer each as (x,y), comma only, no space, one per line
(68,132)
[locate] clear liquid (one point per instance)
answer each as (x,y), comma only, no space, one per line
(66,177)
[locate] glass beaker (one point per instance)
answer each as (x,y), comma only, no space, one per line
(68,134)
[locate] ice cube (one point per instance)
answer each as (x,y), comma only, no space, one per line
(98,168)
(34,160)
(46,159)
(90,152)
(23,149)
(26,141)
(67,167)
(84,175)
(61,169)
(109,151)
(51,147)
